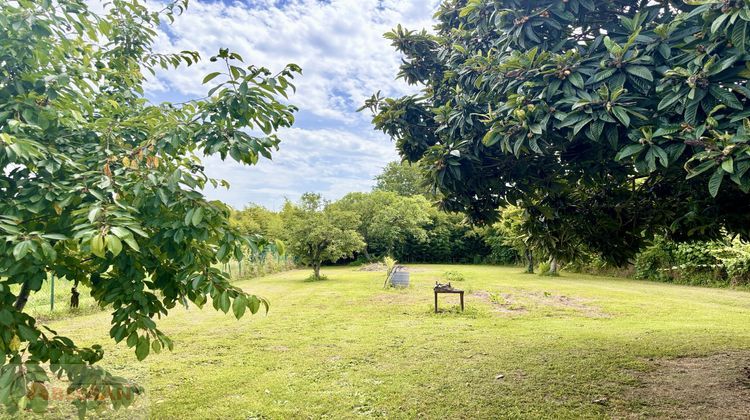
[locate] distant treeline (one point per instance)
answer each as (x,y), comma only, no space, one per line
(397,218)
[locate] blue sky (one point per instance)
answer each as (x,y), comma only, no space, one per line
(339,44)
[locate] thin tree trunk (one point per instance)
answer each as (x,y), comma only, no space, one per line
(529,261)
(553,265)
(23,296)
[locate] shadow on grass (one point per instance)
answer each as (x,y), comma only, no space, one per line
(454,311)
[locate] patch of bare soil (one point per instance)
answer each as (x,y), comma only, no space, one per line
(373,267)
(501,302)
(712,387)
(522,302)
(566,302)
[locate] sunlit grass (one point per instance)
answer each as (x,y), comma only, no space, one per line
(526,346)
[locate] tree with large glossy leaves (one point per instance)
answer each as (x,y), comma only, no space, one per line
(605,121)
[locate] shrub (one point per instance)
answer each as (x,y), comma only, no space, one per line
(655,262)
(453,276)
(735,259)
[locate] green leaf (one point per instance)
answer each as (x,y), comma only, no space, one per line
(726,97)
(114,244)
(621,115)
(661,154)
(197,216)
(55,236)
(670,99)
(210,77)
(254,304)
(703,167)
(131,243)
(490,138)
(629,150)
(22,249)
(739,35)
(97,246)
(718,22)
(142,348)
(94,213)
(714,183)
(728,165)
(640,71)
(238,306)
(602,75)
(121,232)
(576,80)
(224,301)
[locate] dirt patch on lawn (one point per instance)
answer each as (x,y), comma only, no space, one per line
(712,387)
(501,302)
(520,302)
(382,267)
(373,267)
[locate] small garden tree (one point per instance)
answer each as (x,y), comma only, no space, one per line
(103,188)
(606,121)
(317,232)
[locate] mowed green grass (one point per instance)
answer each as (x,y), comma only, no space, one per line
(347,348)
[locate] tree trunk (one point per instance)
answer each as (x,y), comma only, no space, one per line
(553,265)
(529,261)
(23,296)
(367,253)
(316,269)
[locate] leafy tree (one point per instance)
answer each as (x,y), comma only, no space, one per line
(602,120)
(402,178)
(256,219)
(317,232)
(103,188)
(385,218)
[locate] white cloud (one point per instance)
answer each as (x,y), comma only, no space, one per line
(340,46)
(329,161)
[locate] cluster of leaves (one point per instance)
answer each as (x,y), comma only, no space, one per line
(602,120)
(103,188)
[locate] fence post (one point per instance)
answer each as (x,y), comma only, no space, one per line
(52,295)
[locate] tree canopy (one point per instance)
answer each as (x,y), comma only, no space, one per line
(606,122)
(387,219)
(103,188)
(402,178)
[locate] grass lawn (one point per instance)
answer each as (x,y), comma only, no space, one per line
(526,346)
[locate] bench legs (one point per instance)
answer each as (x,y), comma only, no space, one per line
(461,294)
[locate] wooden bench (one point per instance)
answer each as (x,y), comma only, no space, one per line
(447,288)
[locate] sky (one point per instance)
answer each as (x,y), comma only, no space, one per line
(332,149)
